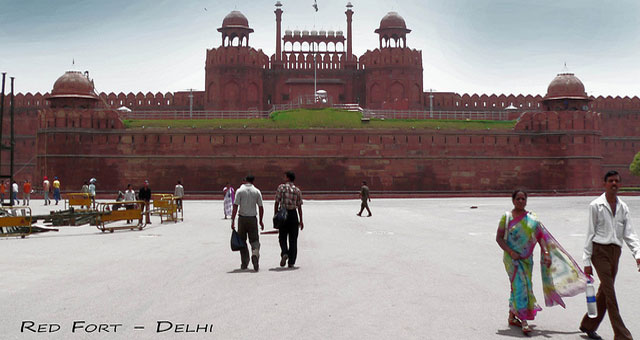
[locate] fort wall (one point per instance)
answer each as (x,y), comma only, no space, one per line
(326,160)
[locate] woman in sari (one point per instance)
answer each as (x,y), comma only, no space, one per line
(229,197)
(518,232)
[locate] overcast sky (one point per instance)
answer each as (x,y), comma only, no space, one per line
(468,46)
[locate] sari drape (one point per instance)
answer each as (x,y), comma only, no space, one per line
(229,198)
(563,278)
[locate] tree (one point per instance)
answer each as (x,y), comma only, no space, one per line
(635,165)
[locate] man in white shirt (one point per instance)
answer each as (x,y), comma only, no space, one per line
(179,193)
(14,194)
(609,226)
(46,186)
(247,198)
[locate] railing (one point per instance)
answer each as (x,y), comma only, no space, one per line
(366,113)
(454,115)
(248,114)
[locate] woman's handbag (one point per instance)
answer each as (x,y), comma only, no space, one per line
(279,218)
(236,241)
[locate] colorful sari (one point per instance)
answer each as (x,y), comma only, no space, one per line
(562,279)
(229,197)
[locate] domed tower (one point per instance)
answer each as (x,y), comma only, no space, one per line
(73,90)
(394,30)
(566,93)
(235,25)
(393,72)
(234,71)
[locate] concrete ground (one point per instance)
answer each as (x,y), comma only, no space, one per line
(417,269)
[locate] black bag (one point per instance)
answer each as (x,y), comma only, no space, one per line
(279,218)
(236,241)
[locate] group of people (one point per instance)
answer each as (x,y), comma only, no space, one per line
(13,189)
(247,204)
(48,188)
(609,227)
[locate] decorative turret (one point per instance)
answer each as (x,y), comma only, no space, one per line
(74,90)
(235,25)
(392,28)
(566,92)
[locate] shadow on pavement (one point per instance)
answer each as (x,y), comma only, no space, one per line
(516,332)
(282,269)
(240,271)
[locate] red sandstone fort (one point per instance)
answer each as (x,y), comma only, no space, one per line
(563,141)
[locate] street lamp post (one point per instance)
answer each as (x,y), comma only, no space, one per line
(431,103)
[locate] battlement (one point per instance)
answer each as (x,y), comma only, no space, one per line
(233,55)
(396,57)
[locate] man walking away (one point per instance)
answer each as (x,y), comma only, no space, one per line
(3,188)
(247,198)
(14,194)
(46,187)
(289,197)
(364,196)
(179,193)
(145,195)
(609,226)
(56,189)
(26,195)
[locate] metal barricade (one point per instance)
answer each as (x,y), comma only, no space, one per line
(113,212)
(78,201)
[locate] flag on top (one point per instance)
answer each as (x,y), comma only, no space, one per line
(315,5)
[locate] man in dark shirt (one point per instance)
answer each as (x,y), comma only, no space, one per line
(364,196)
(145,195)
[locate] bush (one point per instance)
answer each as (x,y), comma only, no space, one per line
(635,165)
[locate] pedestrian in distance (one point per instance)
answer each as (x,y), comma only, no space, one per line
(289,197)
(144,194)
(92,191)
(26,193)
(3,189)
(46,188)
(56,189)
(609,227)
(518,233)
(14,193)
(129,196)
(365,197)
(229,198)
(179,194)
(246,200)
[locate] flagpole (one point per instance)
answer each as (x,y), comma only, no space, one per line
(315,77)
(315,64)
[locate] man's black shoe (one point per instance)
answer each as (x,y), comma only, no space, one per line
(283,260)
(254,260)
(244,266)
(591,334)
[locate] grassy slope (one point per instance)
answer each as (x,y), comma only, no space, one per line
(323,119)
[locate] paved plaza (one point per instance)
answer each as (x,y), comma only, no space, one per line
(416,269)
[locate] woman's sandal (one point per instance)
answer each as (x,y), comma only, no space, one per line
(526,329)
(513,321)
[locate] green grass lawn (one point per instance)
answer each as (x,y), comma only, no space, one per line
(323,119)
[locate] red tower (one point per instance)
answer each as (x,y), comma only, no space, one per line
(393,72)
(234,71)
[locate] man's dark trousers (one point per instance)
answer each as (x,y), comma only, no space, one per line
(605,261)
(248,226)
(289,230)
